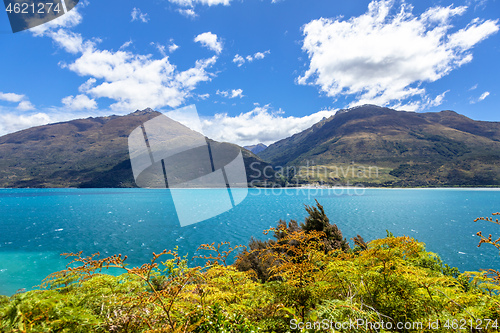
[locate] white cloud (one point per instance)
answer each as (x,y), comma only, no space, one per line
(236,93)
(79,102)
(138,81)
(57,29)
(68,20)
(239,60)
(71,42)
(24,103)
(161,48)
(133,81)
(231,94)
(210,41)
(192,3)
(172,47)
(439,99)
(25,106)
(261,55)
(11,122)
(11,97)
(382,58)
(480,98)
(138,15)
(484,95)
(87,85)
(190,13)
(259,125)
(126,44)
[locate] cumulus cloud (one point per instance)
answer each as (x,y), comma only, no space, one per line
(23,102)
(240,60)
(11,122)
(138,15)
(133,81)
(262,124)
(25,106)
(79,102)
(210,41)
(57,29)
(231,93)
(68,20)
(138,81)
(172,47)
(11,97)
(383,56)
(70,41)
(261,55)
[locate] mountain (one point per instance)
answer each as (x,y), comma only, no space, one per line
(256,148)
(408,149)
(90,152)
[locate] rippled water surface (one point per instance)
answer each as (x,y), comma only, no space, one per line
(36,225)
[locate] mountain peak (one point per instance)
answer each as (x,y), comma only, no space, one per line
(432,148)
(256,148)
(364,108)
(144,112)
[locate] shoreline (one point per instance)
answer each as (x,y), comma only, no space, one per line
(308,187)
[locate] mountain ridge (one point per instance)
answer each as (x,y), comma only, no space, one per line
(256,148)
(444,148)
(90,152)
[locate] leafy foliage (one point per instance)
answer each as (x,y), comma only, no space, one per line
(311,276)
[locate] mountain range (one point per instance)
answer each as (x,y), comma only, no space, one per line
(408,148)
(398,148)
(90,152)
(256,148)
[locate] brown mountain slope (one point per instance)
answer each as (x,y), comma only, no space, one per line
(442,148)
(90,152)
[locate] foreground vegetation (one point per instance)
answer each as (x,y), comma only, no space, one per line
(307,278)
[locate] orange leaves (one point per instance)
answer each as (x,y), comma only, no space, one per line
(489,239)
(222,256)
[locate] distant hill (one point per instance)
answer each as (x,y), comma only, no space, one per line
(256,148)
(411,149)
(90,152)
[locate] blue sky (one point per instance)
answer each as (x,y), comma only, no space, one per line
(257,70)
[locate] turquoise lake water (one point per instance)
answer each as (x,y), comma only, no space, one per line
(37,225)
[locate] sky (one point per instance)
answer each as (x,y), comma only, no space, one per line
(257,70)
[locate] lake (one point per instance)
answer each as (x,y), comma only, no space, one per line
(37,225)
